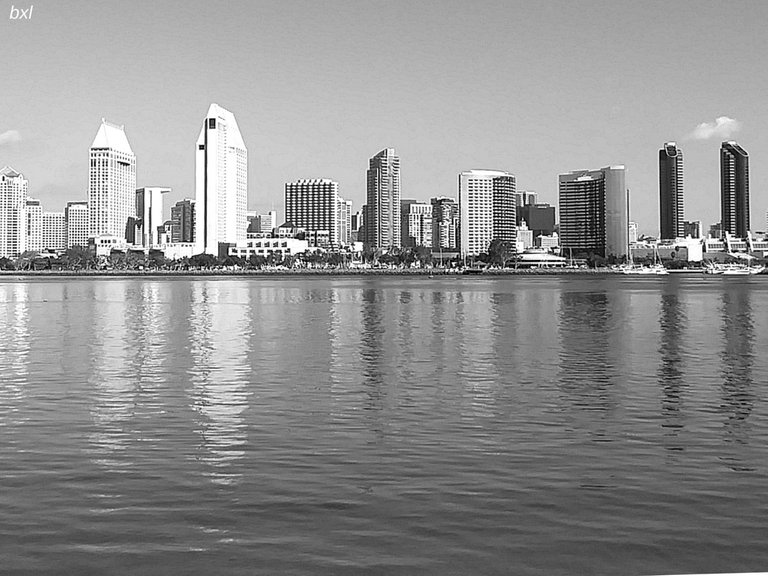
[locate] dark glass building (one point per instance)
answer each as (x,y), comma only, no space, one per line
(671,192)
(734,190)
(594,213)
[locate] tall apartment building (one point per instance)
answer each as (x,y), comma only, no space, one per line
(345,221)
(54,231)
(77,217)
(221,182)
(13,219)
(314,206)
(149,211)
(445,223)
(34,231)
(734,190)
(183,221)
(382,218)
(416,224)
(594,212)
(112,182)
(487,210)
(671,192)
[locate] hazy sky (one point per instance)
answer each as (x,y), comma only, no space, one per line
(318,87)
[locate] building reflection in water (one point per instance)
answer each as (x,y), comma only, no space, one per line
(218,345)
(737,358)
(588,351)
(14,353)
(111,382)
(477,368)
(372,347)
(673,322)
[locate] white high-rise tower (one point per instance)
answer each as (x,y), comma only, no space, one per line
(112,182)
(13,218)
(221,182)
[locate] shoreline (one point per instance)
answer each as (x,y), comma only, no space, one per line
(348,272)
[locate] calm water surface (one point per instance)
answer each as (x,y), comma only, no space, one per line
(384,425)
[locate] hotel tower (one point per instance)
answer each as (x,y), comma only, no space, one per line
(112,182)
(221,182)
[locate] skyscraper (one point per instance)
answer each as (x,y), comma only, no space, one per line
(487,210)
(34,231)
(416,223)
(13,219)
(594,212)
(77,216)
(734,189)
(314,206)
(149,210)
(445,223)
(671,192)
(382,218)
(183,221)
(345,221)
(112,182)
(221,182)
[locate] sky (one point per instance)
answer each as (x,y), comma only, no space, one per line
(318,87)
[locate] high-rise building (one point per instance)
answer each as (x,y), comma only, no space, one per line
(692,229)
(445,223)
(112,182)
(183,221)
(34,231)
(382,218)
(487,210)
(734,190)
(671,192)
(13,219)
(416,223)
(221,182)
(526,198)
(540,218)
(358,226)
(77,216)
(149,211)
(345,221)
(54,231)
(594,212)
(314,206)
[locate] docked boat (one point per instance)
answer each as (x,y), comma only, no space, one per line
(733,269)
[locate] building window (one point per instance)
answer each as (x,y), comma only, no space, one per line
(211,123)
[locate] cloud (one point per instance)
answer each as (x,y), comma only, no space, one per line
(722,127)
(9,137)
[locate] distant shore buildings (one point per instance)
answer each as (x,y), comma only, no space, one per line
(487,208)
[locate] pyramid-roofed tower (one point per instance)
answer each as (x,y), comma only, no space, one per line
(112,182)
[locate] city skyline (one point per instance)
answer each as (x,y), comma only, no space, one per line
(428,112)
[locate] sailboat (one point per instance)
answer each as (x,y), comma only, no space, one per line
(656,269)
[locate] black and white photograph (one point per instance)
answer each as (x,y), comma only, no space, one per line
(402,287)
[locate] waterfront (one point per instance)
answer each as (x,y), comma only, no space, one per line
(384,425)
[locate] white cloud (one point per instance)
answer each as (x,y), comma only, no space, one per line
(722,127)
(9,137)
